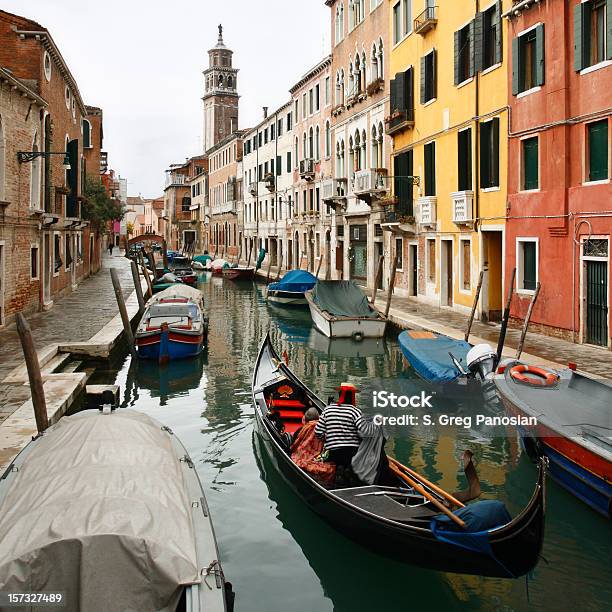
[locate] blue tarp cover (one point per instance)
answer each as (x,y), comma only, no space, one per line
(428,354)
(297,281)
(202,258)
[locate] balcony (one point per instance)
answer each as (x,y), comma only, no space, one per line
(173,179)
(463,207)
(253,189)
(399,120)
(426,21)
(269,182)
(227,207)
(370,184)
(307,169)
(427,215)
(334,189)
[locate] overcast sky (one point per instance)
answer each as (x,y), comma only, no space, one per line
(142,62)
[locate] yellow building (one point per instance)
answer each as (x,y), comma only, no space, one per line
(449,122)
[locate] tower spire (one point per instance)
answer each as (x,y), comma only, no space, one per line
(220,41)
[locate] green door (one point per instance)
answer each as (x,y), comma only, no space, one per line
(597,302)
(358,255)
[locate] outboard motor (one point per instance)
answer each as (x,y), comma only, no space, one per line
(481,361)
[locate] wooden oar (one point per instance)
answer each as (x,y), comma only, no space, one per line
(426,482)
(419,489)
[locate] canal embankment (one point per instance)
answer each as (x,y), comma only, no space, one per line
(83,325)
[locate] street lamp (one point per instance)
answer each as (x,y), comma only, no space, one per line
(29,156)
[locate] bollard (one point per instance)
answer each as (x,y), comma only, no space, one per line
(127,328)
(34,376)
(138,287)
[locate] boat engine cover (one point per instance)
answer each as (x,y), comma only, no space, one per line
(478,354)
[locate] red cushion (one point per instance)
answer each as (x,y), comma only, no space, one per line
(292,427)
(287,403)
(290,414)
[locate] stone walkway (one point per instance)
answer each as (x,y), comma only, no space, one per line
(73,318)
(592,359)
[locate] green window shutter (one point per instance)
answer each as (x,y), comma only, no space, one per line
(598,150)
(410,172)
(400,91)
(540,53)
(530,163)
(609,29)
(279,165)
(430,169)
(485,155)
(471,70)
(396,175)
(409,75)
(392,95)
(578,37)
(434,73)
(478,42)
(499,48)
(423,80)
(516,65)
(495,160)
(457,58)
(529,265)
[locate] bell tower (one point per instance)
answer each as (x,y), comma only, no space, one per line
(220,95)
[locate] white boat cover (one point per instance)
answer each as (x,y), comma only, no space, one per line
(99,510)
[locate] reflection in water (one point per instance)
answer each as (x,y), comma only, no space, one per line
(281,556)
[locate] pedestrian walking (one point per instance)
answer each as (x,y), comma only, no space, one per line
(110,249)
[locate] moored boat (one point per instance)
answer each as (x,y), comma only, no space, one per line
(392,520)
(290,290)
(181,266)
(339,309)
(571,425)
(217,266)
(173,325)
(108,510)
(165,282)
(239,273)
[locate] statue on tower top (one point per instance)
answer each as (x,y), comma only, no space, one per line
(220,33)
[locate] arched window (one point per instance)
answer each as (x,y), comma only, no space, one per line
(364,78)
(351,8)
(327,139)
(339,172)
(304,149)
(339,23)
(374,63)
(381,59)
(220,81)
(2,160)
(86,134)
(351,168)
(311,149)
(230,81)
(351,82)
(318,143)
(374,153)
(363,161)
(338,89)
(297,152)
(342,90)
(381,151)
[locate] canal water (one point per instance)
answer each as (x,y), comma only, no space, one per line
(278,554)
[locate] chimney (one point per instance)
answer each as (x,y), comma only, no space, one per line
(265,109)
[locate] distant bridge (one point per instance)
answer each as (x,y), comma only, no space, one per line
(146,238)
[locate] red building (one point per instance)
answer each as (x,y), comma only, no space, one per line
(559,212)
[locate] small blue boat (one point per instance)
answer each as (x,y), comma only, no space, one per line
(441,360)
(290,290)
(172,326)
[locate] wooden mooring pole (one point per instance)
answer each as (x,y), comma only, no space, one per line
(127,327)
(146,275)
(280,266)
(519,349)
(474,305)
(34,376)
(138,287)
(379,269)
(506,318)
(391,285)
(319,266)
(269,268)
(165,254)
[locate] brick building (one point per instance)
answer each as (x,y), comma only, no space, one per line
(48,193)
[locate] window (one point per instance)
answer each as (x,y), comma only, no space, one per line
(402,185)
(489,22)
(399,253)
(327,139)
(68,252)
(86,134)
(592,33)
(597,137)
(466,265)
(317,97)
(428,77)
(317,154)
(464,53)
(530,163)
(527,264)
(430,169)
(339,23)
(407,14)
(289,168)
(279,128)
(35,168)
(67,96)
(34,262)
(489,153)
(57,254)
(310,101)
(327,90)
(431,260)
(47,65)
(528,60)
(397,23)
(289,122)
(304,110)
(272,132)
(296,116)
(402,94)
(464,160)
(279,165)
(185,204)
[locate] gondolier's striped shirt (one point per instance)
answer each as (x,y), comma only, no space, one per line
(338,426)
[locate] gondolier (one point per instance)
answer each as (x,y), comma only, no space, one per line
(338,426)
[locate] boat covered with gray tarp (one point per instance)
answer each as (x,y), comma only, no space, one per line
(109,510)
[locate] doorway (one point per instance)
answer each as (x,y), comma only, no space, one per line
(340,259)
(492,265)
(413,278)
(379,253)
(358,254)
(446,272)
(47,272)
(327,255)
(596,302)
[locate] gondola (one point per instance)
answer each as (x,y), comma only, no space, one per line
(239,273)
(394,521)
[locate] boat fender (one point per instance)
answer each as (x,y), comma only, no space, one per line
(357,336)
(545,378)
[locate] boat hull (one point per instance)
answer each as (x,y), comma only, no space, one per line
(177,346)
(239,273)
(577,469)
(287,298)
(347,327)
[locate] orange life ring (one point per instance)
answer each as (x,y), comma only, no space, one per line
(545,377)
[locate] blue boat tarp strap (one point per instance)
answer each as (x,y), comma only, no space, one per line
(479,518)
(202,258)
(342,299)
(297,281)
(428,354)
(260,258)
